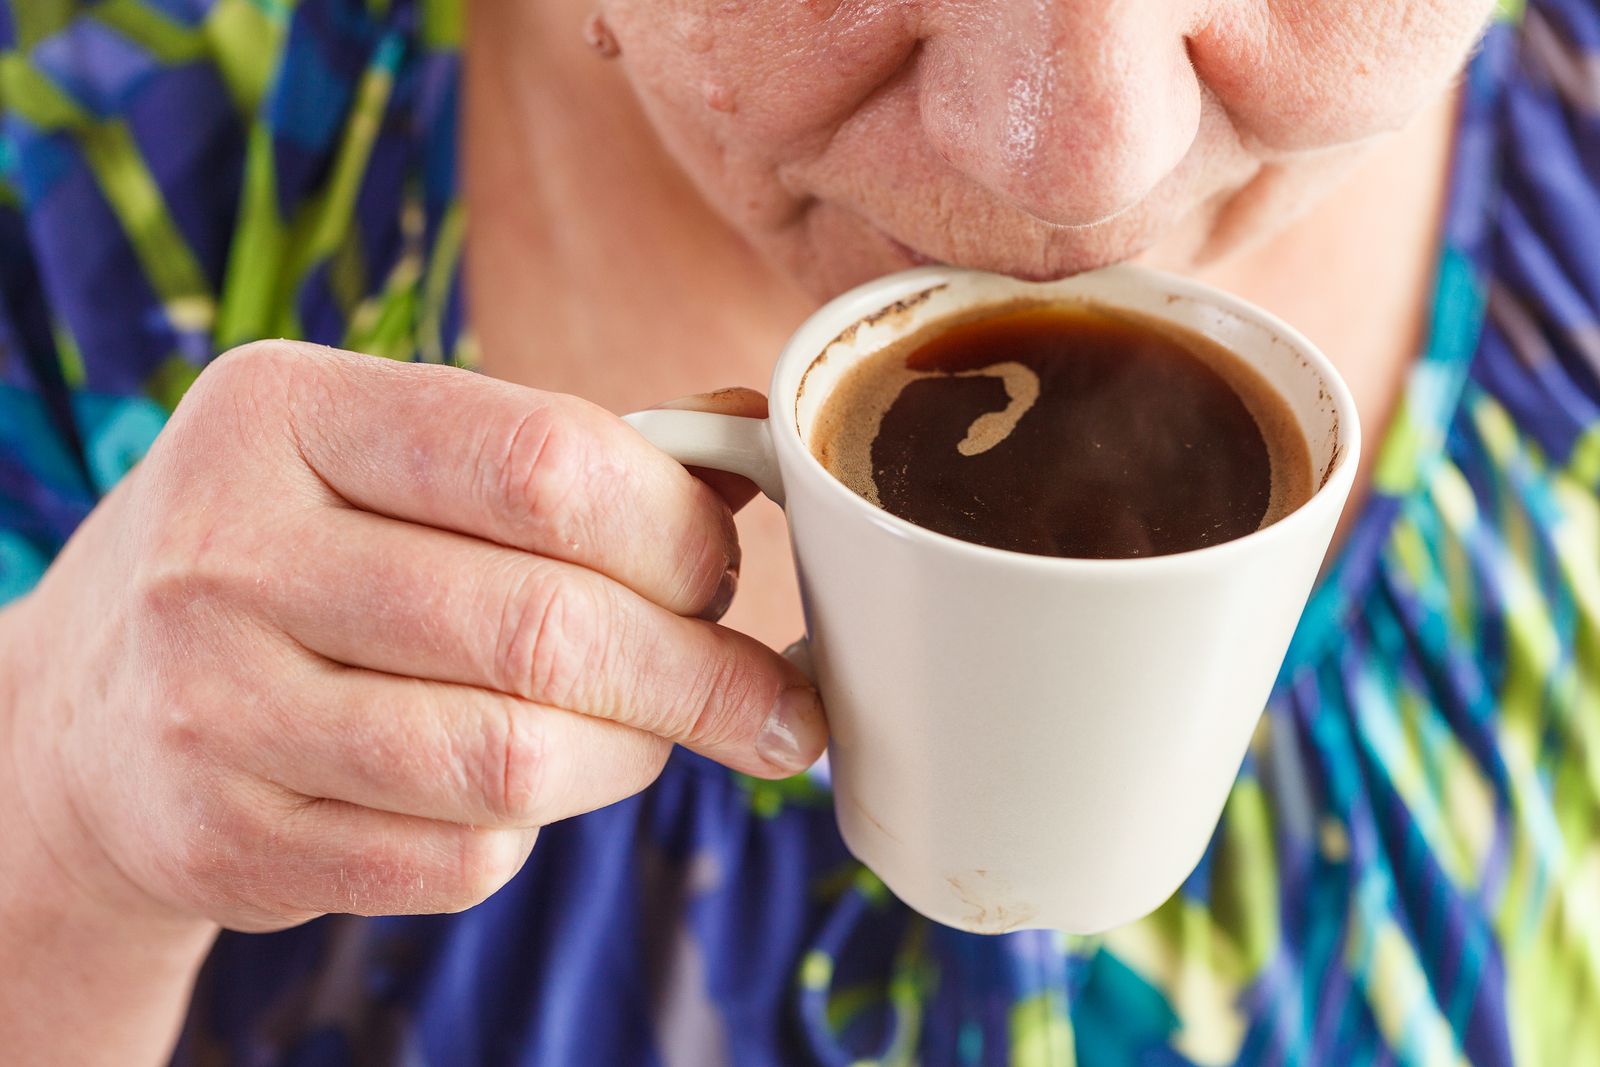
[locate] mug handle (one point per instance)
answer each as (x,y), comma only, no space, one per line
(729,443)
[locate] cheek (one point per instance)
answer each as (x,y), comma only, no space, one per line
(731,81)
(1303,74)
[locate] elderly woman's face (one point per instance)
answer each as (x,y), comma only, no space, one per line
(848,138)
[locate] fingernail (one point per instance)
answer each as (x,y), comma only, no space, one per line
(723,597)
(734,399)
(700,401)
(692,402)
(793,736)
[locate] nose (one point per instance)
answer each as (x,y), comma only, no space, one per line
(1071,109)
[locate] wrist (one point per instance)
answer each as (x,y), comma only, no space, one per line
(87,979)
(82,985)
(49,863)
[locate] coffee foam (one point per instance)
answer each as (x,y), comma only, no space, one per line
(842,439)
(843,434)
(989,429)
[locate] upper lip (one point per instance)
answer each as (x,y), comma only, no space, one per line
(1025,272)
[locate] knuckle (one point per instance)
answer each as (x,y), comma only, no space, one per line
(513,767)
(725,695)
(549,636)
(538,464)
(172,582)
(713,548)
(262,391)
(255,359)
(377,878)
(182,732)
(485,861)
(185,597)
(245,374)
(219,860)
(201,554)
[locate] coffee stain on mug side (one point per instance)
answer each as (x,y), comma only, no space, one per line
(986,914)
(882,829)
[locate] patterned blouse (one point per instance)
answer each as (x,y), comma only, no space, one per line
(1407,871)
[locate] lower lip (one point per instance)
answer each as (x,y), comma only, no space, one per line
(917,258)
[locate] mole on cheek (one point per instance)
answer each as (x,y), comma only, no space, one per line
(696,33)
(599,37)
(717,95)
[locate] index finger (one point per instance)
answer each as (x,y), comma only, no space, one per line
(542,472)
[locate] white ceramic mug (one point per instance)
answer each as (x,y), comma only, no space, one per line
(1018,740)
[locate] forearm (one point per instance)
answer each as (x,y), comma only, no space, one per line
(81,981)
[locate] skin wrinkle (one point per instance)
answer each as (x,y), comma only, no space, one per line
(1045,172)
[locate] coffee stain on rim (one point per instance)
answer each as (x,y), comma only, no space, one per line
(1338,451)
(845,336)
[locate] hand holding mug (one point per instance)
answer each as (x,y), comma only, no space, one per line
(354,630)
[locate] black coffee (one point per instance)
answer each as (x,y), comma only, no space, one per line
(1066,430)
